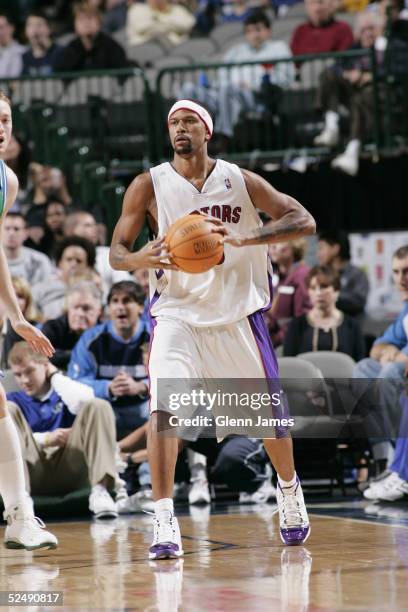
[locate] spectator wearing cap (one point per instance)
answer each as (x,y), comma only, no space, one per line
(91,49)
(39,58)
(11,51)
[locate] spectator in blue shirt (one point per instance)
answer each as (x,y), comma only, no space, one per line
(67,436)
(388,358)
(109,357)
(39,59)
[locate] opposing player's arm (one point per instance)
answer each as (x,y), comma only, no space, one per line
(28,332)
(136,202)
(290,219)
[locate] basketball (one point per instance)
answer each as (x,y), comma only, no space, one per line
(192,245)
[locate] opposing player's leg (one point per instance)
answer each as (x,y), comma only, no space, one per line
(23,530)
(172,355)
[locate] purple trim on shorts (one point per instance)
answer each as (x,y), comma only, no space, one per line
(154,299)
(159,274)
(153,324)
(270,364)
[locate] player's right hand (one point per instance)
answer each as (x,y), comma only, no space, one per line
(155,255)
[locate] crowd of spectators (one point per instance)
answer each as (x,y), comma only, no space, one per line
(91,398)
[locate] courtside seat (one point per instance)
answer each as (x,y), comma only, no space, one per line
(146,54)
(330,363)
(198,49)
(220,34)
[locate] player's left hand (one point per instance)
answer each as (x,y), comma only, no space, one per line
(33,336)
(228,235)
(232,238)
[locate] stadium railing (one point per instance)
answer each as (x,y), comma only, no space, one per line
(104,110)
(101,126)
(282,119)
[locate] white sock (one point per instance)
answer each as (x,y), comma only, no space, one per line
(12,481)
(287,484)
(164,507)
(332,120)
(353,147)
(197,464)
(98,487)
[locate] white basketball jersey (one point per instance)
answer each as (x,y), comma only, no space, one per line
(231,290)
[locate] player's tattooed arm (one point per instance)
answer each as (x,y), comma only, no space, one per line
(137,206)
(289,219)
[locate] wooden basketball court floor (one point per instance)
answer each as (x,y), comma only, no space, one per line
(356,559)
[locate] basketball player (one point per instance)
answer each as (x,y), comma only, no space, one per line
(23,530)
(208,325)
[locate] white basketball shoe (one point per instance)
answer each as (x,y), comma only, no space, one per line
(167,539)
(24,530)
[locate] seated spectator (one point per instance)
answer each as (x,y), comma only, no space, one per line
(82,223)
(39,58)
(291,298)
(334,250)
(158,19)
(25,300)
(73,256)
(322,33)
(10,50)
(55,215)
(83,310)
(114,16)
(388,358)
(349,85)
(67,436)
(109,358)
(91,49)
(245,88)
(23,262)
(48,183)
(324,327)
